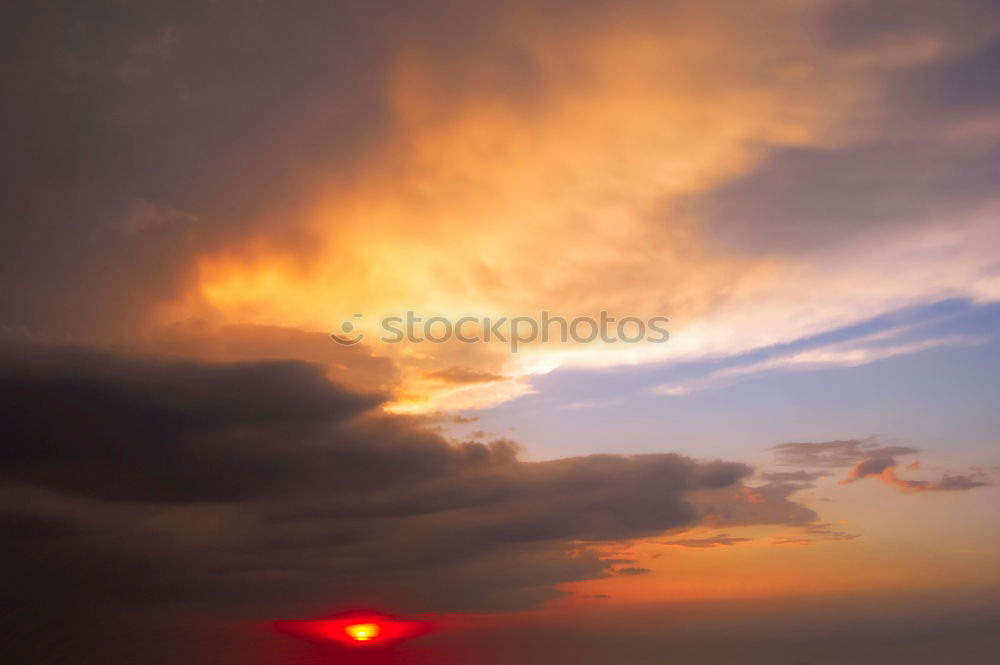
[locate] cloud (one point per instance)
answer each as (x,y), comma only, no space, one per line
(829,532)
(81,419)
(633,571)
(951,483)
(762,177)
(835,453)
(884,468)
(592,404)
(262,486)
(744,505)
(720,540)
(870,467)
(210,341)
(142,216)
(793,476)
(851,353)
(464,375)
(409,166)
(868,458)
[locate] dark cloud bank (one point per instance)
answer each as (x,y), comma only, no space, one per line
(145,486)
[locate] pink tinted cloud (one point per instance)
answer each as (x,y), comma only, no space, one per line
(884,468)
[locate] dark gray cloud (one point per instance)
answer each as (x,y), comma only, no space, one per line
(262,489)
(121,428)
(356,366)
(135,133)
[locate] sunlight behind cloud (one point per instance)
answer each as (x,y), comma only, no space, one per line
(571,194)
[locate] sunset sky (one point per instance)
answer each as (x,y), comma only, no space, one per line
(197,194)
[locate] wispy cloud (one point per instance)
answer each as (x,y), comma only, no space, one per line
(846,452)
(850,353)
(792,476)
(721,540)
(829,532)
(632,571)
(593,403)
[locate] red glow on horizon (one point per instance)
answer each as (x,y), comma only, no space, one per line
(355,629)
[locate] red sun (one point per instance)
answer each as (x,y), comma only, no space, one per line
(355,629)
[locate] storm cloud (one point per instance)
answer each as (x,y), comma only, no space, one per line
(152,482)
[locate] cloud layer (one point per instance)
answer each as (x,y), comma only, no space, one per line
(758,179)
(264,488)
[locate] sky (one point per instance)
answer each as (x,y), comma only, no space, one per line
(212,208)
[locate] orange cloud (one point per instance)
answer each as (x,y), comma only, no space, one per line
(498,193)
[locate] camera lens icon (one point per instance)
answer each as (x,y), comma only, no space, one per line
(347,339)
